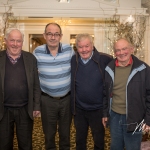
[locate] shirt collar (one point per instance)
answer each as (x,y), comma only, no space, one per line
(86,60)
(11,59)
(129,63)
(59,49)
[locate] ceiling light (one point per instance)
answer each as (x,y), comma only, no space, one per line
(64,1)
(130,19)
(63,22)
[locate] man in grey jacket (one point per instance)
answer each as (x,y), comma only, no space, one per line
(127,104)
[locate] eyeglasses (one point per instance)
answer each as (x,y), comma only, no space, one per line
(123,49)
(50,35)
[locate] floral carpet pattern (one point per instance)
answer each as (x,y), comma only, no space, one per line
(38,138)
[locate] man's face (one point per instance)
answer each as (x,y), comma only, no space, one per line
(14,43)
(52,36)
(85,48)
(123,51)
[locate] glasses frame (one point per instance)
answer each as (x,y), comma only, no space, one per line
(55,35)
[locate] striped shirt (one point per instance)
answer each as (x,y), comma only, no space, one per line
(54,72)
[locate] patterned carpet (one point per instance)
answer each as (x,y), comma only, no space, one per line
(38,138)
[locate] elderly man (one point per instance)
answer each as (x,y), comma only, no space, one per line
(19,93)
(87,85)
(128,97)
(54,72)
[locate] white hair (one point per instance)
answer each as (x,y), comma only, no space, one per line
(8,31)
(82,36)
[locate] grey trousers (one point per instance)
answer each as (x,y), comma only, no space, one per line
(56,114)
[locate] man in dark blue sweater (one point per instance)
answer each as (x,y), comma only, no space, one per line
(87,78)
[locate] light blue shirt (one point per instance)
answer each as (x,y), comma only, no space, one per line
(87,60)
(54,72)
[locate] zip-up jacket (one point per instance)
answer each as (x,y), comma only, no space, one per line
(137,93)
(101,59)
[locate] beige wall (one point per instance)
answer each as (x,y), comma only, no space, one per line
(100,40)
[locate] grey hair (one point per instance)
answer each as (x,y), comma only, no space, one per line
(123,38)
(8,31)
(82,36)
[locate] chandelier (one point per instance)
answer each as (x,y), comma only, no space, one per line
(64,1)
(63,22)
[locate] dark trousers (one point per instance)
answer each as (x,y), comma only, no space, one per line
(56,113)
(23,125)
(83,119)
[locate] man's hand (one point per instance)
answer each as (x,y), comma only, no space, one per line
(36,113)
(104,121)
(146,128)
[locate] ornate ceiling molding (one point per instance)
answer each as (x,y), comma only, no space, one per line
(11,1)
(93,8)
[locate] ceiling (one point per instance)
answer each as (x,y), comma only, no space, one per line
(77,11)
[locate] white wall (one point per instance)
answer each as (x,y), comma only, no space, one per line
(39,29)
(130,3)
(30,29)
(100,41)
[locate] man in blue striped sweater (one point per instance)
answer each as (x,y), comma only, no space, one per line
(54,72)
